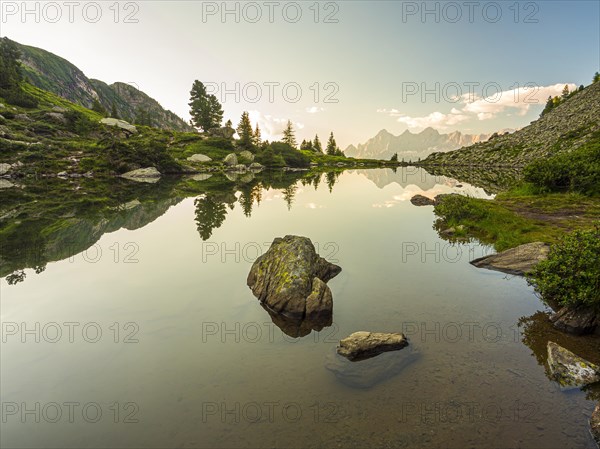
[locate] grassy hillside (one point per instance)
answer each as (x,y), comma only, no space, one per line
(52,73)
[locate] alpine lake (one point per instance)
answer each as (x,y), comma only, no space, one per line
(127,321)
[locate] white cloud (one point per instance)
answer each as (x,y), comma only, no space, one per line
(314,109)
(436,120)
(271,128)
(473,107)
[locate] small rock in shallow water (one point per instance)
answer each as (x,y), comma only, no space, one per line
(570,370)
(363,345)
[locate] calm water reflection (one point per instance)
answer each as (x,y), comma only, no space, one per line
(172,348)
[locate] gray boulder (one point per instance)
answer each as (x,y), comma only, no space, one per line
(420,200)
(231,159)
(519,260)
(255,166)
(122,124)
(224,133)
(199,158)
(290,278)
(5,184)
(149,175)
(570,370)
(363,345)
(5,168)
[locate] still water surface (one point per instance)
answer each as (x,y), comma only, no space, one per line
(187,357)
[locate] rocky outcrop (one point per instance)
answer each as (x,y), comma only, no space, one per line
(363,345)
(368,373)
(290,278)
(577,320)
(570,370)
(122,124)
(199,158)
(420,200)
(569,126)
(519,260)
(149,174)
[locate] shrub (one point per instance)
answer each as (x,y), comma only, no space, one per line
(19,98)
(219,142)
(571,274)
(577,171)
(291,156)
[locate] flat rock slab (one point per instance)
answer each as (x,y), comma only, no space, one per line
(368,373)
(519,260)
(570,370)
(363,345)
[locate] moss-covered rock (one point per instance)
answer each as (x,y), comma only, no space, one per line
(290,278)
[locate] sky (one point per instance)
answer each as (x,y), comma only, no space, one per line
(351,67)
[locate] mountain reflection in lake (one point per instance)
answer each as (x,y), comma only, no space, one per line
(186,356)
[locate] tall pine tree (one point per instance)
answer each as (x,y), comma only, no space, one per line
(206,111)
(317,145)
(332,149)
(245,133)
(289,136)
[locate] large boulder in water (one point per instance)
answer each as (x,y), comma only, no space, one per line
(363,345)
(291,278)
(570,370)
(519,260)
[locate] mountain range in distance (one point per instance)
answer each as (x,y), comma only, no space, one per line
(414,146)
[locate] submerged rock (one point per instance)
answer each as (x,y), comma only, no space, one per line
(519,260)
(368,373)
(299,327)
(577,320)
(290,278)
(420,200)
(570,370)
(363,345)
(149,174)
